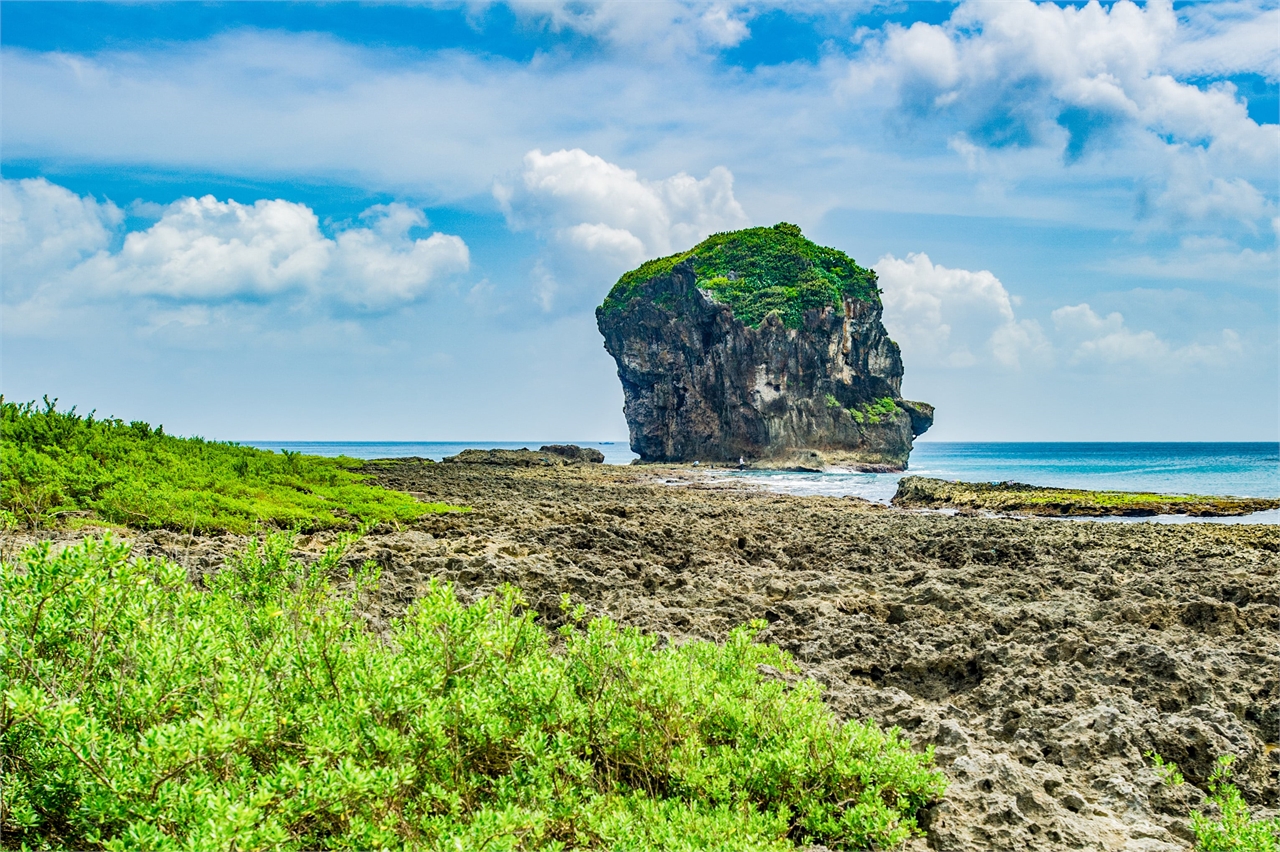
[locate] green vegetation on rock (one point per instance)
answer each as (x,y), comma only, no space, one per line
(60,467)
(1234,829)
(1017,497)
(758,271)
(874,412)
(142,712)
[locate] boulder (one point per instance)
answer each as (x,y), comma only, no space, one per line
(573,452)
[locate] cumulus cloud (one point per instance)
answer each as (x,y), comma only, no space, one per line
(203,249)
(954,317)
(603,219)
(46,229)
(1020,74)
(1108,340)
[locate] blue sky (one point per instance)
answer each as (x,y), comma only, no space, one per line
(393,221)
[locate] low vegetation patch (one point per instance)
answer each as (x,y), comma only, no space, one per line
(874,412)
(758,271)
(1016,497)
(59,467)
(1234,829)
(141,712)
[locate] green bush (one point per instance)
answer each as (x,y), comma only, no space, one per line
(875,411)
(57,463)
(140,712)
(758,271)
(1235,829)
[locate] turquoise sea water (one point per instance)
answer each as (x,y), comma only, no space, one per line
(1237,469)
(1226,469)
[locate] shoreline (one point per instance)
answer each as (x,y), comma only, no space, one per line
(1196,508)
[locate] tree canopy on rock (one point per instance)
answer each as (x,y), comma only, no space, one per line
(758,271)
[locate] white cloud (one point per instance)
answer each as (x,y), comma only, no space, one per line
(383,265)
(953,317)
(1191,195)
(203,249)
(568,189)
(1224,38)
(604,219)
(444,123)
(46,229)
(1019,74)
(1109,340)
(1203,258)
(655,26)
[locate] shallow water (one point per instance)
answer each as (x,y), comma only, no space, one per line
(1234,469)
(1221,469)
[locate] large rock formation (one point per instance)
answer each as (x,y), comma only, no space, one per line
(759,344)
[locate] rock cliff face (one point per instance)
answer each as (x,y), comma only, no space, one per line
(701,384)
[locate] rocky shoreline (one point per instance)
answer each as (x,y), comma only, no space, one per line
(1020,499)
(1041,659)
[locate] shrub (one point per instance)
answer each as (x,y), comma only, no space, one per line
(1235,829)
(58,463)
(874,412)
(141,712)
(758,271)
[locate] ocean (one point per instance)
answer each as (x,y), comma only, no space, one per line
(1235,469)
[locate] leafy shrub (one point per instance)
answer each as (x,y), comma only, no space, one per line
(1166,769)
(56,463)
(141,712)
(1235,829)
(874,412)
(758,271)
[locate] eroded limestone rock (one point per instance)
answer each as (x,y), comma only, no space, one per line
(699,384)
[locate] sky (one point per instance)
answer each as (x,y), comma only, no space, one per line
(393,221)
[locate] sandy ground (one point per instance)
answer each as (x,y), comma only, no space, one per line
(1041,658)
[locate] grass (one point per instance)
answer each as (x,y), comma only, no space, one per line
(58,467)
(758,271)
(141,712)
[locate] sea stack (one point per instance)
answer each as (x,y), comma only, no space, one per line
(759,345)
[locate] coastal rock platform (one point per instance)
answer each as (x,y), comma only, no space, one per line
(1041,659)
(1018,498)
